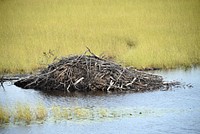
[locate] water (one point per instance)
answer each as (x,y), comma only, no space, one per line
(159,112)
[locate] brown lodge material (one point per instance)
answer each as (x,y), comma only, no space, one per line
(91,73)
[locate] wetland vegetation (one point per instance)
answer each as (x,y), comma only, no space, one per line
(24,114)
(172,111)
(139,33)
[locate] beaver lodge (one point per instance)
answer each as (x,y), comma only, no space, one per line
(86,73)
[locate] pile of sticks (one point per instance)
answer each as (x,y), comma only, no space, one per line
(92,73)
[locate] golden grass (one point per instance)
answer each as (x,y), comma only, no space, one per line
(23,113)
(67,114)
(81,113)
(103,112)
(57,112)
(140,33)
(41,112)
(4,116)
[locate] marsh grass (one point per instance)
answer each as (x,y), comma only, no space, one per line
(23,114)
(140,33)
(81,113)
(103,112)
(57,113)
(67,114)
(4,116)
(41,112)
(76,113)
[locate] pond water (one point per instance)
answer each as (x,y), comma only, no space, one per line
(159,112)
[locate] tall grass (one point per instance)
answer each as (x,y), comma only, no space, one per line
(141,33)
(4,116)
(41,112)
(23,114)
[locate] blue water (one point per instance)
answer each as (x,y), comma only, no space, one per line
(175,111)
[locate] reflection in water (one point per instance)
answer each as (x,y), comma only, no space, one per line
(173,111)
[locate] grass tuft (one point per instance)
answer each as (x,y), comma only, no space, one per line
(41,112)
(4,116)
(81,113)
(23,114)
(56,112)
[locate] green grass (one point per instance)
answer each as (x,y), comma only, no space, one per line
(140,33)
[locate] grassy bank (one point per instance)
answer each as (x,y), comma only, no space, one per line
(140,33)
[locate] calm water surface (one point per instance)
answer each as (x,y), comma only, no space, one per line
(176,111)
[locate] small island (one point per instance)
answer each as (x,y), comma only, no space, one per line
(90,73)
